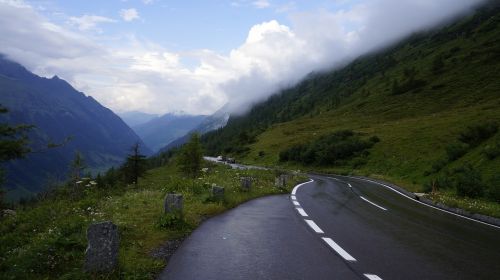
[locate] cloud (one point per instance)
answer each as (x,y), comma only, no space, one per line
(136,74)
(147,2)
(129,14)
(261,4)
(89,22)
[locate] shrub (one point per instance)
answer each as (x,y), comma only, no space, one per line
(170,220)
(374,139)
(438,165)
(468,182)
(492,151)
(456,150)
(333,149)
(475,134)
(493,192)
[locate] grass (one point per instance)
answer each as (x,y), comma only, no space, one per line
(47,240)
(479,206)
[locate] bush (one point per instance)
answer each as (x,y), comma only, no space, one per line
(494,188)
(170,220)
(455,151)
(492,151)
(468,182)
(333,149)
(374,139)
(437,166)
(475,134)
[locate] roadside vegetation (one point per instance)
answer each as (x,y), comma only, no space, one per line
(46,237)
(432,100)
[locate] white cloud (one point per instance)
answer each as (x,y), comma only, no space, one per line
(140,75)
(147,2)
(89,22)
(261,4)
(129,14)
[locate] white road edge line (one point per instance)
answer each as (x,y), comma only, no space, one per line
(425,204)
(372,276)
(302,212)
(376,205)
(293,197)
(299,185)
(349,185)
(314,226)
(339,250)
(296,203)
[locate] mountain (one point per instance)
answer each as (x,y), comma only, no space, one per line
(160,131)
(422,98)
(135,118)
(215,121)
(58,111)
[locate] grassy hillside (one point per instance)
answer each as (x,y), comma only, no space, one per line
(417,97)
(47,240)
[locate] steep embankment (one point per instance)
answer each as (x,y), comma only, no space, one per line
(417,97)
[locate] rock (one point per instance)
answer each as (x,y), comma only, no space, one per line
(8,212)
(218,192)
(103,244)
(246,183)
(281,181)
(173,203)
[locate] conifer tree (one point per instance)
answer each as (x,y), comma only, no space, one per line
(135,166)
(13,145)
(191,156)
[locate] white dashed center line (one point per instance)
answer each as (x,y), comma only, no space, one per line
(372,276)
(373,203)
(302,212)
(314,226)
(339,249)
(328,240)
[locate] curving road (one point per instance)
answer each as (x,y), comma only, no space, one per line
(338,228)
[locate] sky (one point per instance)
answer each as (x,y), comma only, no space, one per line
(160,56)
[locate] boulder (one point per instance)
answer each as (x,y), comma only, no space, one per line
(173,203)
(218,192)
(246,183)
(102,250)
(281,181)
(8,212)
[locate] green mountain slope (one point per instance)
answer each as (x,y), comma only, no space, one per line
(417,97)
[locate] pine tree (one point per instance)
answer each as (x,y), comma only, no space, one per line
(191,157)
(13,145)
(77,166)
(135,166)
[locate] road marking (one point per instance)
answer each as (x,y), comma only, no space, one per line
(349,185)
(299,185)
(302,212)
(296,203)
(314,226)
(372,276)
(425,204)
(293,197)
(339,249)
(373,203)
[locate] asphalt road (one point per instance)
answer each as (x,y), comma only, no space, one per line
(341,228)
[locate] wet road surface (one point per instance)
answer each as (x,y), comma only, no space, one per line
(342,228)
